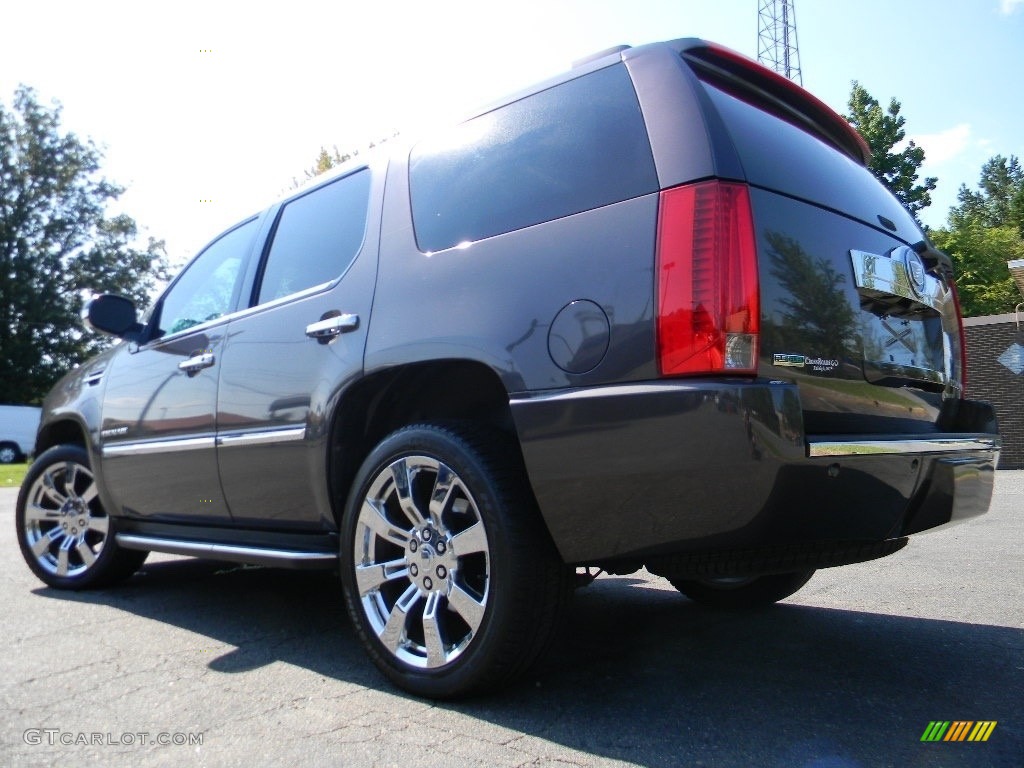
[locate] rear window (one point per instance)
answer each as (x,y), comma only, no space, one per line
(576,146)
(780,156)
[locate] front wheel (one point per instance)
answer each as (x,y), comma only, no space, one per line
(64,533)
(742,592)
(449,575)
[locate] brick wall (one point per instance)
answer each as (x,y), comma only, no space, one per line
(988,379)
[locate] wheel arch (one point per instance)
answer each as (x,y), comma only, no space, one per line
(65,430)
(386,400)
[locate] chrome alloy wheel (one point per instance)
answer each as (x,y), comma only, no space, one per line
(422,562)
(65,527)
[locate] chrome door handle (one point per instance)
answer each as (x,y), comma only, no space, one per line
(196,363)
(332,326)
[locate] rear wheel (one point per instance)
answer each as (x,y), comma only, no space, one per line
(742,592)
(8,453)
(449,575)
(65,535)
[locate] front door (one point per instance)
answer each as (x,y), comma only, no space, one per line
(159,408)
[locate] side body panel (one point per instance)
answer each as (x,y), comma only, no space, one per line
(494,300)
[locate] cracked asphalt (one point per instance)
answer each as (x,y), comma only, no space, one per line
(264,667)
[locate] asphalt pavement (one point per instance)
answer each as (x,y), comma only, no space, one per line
(209,664)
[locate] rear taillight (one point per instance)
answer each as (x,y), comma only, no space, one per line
(963,338)
(708,308)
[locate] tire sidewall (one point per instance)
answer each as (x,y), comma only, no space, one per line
(104,562)
(459,676)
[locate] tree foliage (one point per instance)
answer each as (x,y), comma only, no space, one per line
(327,160)
(999,199)
(984,231)
(979,256)
(883,130)
(56,244)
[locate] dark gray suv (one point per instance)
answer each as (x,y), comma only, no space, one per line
(652,313)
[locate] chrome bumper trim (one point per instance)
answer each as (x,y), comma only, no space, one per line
(901,446)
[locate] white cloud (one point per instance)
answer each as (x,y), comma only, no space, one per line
(1006,7)
(945,145)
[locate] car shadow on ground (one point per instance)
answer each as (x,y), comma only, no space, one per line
(643,675)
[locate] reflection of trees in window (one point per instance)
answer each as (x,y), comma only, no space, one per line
(814,316)
(212,301)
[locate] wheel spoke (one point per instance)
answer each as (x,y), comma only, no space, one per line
(90,493)
(50,489)
(393,634)
(99,524)
(432,631)
(467,606)
(88,558)
(62,556)
(370,577)
(473,539)
(70,476)
(46,541)
(372,516)
(444,485)
(403,488)
(34,513)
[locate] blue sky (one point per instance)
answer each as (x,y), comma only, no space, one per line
(227,102)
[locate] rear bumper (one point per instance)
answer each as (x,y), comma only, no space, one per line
(638,471)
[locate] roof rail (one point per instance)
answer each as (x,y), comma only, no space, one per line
(600,55)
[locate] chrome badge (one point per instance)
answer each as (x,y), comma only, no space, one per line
(917,276)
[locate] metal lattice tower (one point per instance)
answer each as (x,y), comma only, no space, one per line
(776,38)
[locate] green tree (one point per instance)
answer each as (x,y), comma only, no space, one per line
(327,160)
(979,254)
(984,231)
(883,131)
(999,200)
(56,244)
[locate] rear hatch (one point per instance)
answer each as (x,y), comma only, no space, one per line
(855,306)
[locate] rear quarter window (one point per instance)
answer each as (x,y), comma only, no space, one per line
(573,147)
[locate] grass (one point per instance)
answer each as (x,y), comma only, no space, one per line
(11,475)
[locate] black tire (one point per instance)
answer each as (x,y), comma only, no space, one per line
(743,592)
(462,595)
(65,535)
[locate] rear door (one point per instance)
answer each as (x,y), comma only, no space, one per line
(288,358)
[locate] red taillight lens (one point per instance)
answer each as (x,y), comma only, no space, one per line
(708,307)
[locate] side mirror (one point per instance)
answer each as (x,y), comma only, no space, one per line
(112,314)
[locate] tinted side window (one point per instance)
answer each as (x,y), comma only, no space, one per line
(573,147)
(207,288)
(317,237)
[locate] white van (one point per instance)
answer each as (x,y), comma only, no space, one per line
(18,426)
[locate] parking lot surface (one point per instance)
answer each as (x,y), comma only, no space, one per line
(212,664)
